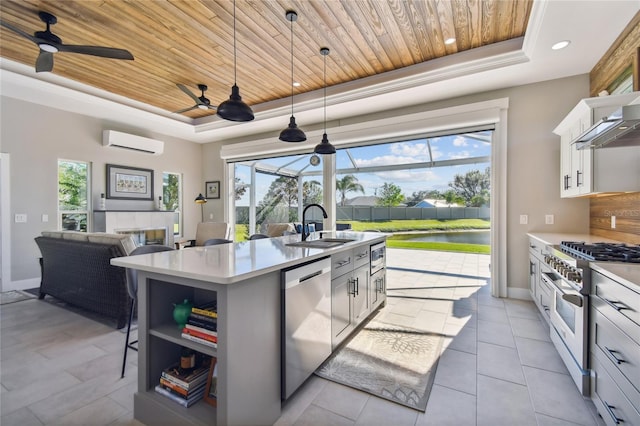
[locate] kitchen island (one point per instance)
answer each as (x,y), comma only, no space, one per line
(245,280)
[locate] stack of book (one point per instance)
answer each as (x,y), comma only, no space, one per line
(202,324)
(183,387)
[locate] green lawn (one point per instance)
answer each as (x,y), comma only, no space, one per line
(398,241)
(419,225)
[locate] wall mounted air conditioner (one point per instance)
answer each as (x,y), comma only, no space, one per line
(132,142)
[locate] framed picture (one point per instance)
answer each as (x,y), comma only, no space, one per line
(129,183)
(212,189)
(211,388)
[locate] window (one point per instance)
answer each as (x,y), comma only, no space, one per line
(172,198)
(73,195)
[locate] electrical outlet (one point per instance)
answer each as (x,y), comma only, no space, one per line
(548,219)
(21,218)
(211,216)
(524,219)
(45,218)
(613,222)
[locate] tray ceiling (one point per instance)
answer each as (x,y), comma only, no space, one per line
(191,42)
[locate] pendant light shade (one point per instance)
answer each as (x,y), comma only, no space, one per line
(292,133)
(234,109)
(325,147)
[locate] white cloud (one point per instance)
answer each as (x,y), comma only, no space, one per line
(460,141)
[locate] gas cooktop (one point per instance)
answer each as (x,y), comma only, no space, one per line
(602,252)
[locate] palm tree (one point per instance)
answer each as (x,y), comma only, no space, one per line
(348,183)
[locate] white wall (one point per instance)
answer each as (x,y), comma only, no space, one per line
(37,136)
(533,163)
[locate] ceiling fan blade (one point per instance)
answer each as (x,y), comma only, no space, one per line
(105,52)
(188,92)
(44,63)
(185,109)
(19,31)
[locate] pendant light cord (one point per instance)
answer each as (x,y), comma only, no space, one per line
(291,66)
(235,67)
(325,93)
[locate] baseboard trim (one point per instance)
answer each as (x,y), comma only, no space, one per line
(22,284)
(518,293)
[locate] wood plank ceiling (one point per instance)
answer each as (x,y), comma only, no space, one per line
(191,42)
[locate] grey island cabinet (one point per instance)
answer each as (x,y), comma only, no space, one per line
(245,280)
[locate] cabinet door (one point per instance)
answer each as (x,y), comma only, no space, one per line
(340,308)
(567,184)
(359,292)
(533,277)
(377,289)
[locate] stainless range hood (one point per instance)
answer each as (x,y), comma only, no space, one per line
(621,128)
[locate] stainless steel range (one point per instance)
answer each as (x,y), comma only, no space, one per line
(570,279)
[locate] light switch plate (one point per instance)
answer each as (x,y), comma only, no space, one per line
(548,219)
(524,219)
(613,222)
(21,218)
(45,218)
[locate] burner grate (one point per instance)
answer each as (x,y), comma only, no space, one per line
(602,252)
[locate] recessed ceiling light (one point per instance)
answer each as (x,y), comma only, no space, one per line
(450,40)
(561,45)
(296,84)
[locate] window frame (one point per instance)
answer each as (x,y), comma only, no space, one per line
(88,210)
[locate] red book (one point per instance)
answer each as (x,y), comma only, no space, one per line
(200,334)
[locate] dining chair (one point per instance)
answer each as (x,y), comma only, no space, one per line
(258,236)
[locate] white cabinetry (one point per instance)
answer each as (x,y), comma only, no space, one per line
(540,291)
(591,171)
(614,349)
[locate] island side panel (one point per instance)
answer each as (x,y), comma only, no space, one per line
(251,336)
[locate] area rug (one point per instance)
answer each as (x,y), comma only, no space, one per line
(14,296)
(389,361)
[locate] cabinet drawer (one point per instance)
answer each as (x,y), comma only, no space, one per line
(619,303)
(613,406)
(622,353)
(341,263)
(536,247)
(361,256)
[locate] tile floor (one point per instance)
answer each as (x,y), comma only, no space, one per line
(498,366)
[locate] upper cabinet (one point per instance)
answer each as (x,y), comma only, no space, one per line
(593,171)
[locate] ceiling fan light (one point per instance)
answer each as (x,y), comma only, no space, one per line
(324,147)
(48,48)
(292,133)
(233,109)
(202,106)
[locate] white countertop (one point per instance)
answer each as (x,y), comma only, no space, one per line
(230,263)
(556,238)
(625,273)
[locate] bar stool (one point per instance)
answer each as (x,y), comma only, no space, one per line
(132,288)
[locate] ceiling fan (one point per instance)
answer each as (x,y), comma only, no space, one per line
(49,43)
(201,101)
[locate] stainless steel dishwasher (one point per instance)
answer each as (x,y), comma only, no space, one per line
(306,321)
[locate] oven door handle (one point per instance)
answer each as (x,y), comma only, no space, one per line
(574,299)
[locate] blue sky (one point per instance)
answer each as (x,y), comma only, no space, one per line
(442,148)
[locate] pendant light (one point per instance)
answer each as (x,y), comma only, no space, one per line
(234,109)
(324,147)
(292,133)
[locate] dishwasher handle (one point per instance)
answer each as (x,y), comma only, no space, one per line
(299,275)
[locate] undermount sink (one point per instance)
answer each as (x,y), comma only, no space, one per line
(323,243)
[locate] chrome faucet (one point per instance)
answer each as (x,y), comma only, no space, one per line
(305,230)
